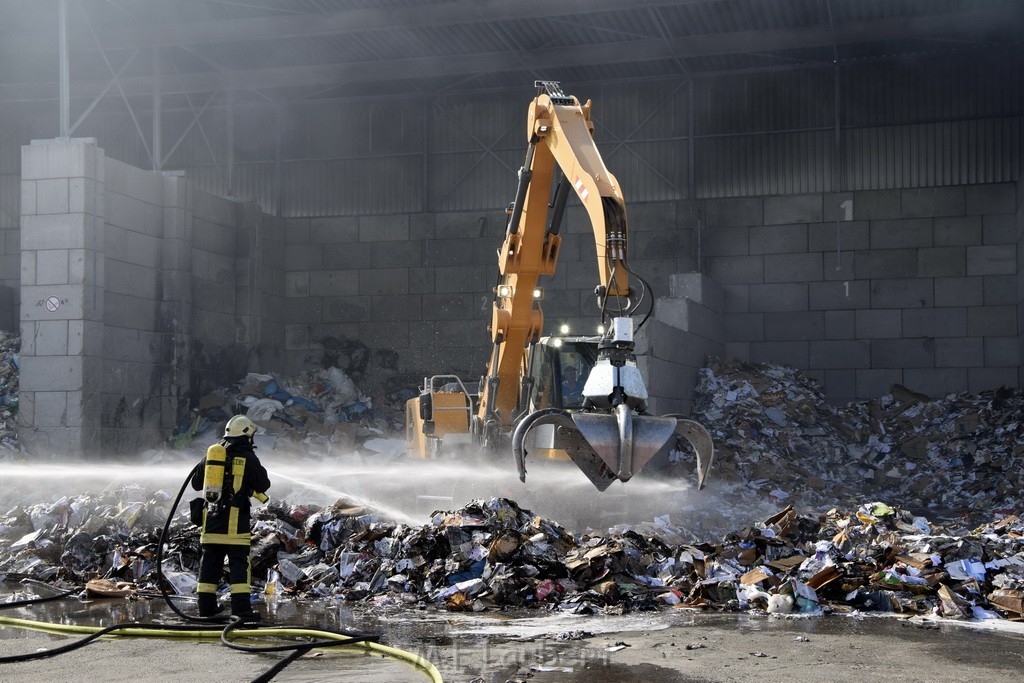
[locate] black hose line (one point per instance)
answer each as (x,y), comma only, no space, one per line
(269,674)
(161,581)
(36,601)
(235,622)
(82,642)
(296,650)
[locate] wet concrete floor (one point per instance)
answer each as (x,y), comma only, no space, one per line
(669,646)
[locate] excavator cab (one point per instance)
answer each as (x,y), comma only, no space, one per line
(558,368)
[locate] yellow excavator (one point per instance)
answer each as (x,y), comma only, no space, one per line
(558,397)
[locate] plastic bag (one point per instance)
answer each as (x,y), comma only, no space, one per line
(345,391)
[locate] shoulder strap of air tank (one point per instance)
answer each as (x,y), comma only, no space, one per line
(237,471)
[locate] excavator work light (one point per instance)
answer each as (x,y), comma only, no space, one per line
(538,293)
(564,329)
(504,291)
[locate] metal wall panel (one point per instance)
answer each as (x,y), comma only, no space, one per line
(10,149)
(465,181)
(934,154)
(764,102)
(983,85)
(479,143)
(252,182)
(766,164)
(352,186)
(917,122)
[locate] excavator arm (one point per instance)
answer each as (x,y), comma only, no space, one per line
(612,437)
(560,135)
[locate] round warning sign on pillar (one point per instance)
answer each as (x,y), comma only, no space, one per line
(52,304)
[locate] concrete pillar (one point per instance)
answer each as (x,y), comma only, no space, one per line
(62,276)
(248,330)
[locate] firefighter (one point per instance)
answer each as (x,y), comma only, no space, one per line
(230,475)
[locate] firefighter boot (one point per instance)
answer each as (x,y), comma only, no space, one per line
(242,607)
(208,606)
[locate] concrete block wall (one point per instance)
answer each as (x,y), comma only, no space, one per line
(10,250)
(416,284)
(164,292)
(865,289)
(261,268)
(138,294)
(62,303)
(132,339)
(686,330)
(237,281)
(422,284)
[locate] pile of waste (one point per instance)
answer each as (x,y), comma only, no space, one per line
(492,554)
(320,412)
(775,433)
(778,442)
(10,345)
(73,539)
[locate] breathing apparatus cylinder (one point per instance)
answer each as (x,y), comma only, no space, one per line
(213,478)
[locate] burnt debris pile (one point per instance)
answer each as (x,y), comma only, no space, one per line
(10,345)
(492,554)
(871,475)
(775,433)
(320,412)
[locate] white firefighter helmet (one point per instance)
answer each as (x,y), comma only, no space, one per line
(240,425)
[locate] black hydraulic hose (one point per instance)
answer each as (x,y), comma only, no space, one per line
(160,555)
(269,674)
(36,601)
(647,290)
(351,638)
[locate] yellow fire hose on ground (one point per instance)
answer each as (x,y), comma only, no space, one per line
(235,629)
(126,630)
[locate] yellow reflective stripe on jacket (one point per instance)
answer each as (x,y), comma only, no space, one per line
(225,539)
(233,523)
